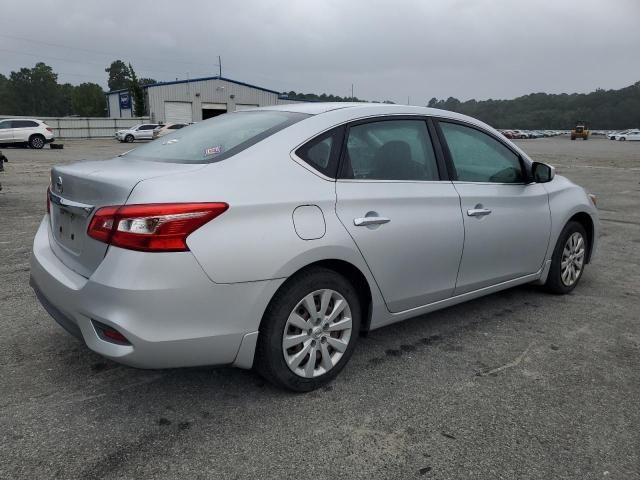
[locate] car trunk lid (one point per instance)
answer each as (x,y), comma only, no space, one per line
(79,189)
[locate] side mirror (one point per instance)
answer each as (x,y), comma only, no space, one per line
(542,173)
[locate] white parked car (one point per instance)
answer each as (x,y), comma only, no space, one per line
(26,131)
(163,130)
(616,135)
(143,131)
(631,135)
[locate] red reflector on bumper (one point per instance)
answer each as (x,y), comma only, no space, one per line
(110,334)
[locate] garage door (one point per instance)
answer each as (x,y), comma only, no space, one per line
(246,106)
(177,112)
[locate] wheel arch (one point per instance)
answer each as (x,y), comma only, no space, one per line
(354,275)
(584,219)
(33,135)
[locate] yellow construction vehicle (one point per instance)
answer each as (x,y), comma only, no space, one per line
(580,131)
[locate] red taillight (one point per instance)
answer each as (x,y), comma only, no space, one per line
(159,227)
(48,200)
(50,129)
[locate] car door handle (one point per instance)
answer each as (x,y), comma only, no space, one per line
(365,221)
(478,212)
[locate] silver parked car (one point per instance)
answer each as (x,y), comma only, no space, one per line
(272,238)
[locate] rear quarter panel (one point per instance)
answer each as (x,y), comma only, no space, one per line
(255,238)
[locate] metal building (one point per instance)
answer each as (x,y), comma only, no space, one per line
(193,100)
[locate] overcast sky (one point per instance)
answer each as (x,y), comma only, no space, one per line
(388,49)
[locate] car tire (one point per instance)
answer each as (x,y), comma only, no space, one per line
(288,318)
(129,139)
(623,139)
(36,141)
(573,138)
(568,252)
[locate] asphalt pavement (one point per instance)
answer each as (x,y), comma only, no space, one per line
(519,384)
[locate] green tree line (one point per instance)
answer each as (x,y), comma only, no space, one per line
(601,109)
(36,92)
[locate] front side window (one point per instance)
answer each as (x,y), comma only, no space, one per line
(5,124)
(217,138)
(478,157)
(390,150)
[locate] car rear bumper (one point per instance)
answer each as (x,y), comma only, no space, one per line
(163,303)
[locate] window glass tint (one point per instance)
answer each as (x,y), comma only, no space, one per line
(177,126)
(477,157)
(322,152)
(217,138)
(5,124)
(24,124)
(147,127)
(390,150)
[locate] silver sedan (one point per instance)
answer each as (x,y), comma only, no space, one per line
(273,238)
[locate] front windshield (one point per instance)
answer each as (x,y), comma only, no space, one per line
(217,138)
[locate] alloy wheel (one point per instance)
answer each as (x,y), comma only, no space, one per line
(317,333)
(572,259)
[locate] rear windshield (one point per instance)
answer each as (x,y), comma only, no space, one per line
(217,138)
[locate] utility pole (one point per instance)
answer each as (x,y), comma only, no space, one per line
(352,92)
(219,66)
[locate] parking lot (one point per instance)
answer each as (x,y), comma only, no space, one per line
(520,384)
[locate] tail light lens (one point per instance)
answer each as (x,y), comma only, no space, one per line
(48,200)
(50,129)
(160,227)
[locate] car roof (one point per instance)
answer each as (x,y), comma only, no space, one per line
(364,109)
(311,108)
(29,119)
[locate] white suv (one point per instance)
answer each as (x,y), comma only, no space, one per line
(139,132)
(34,133)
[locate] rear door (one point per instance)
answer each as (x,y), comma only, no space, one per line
(507,220)
(405,220)
(22,129)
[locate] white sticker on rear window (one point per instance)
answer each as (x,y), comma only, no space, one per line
(213,150)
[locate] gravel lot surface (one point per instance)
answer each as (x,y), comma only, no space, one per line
(520,384)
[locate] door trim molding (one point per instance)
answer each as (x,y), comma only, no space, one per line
(448,302)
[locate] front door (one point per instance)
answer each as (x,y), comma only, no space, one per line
(6,131)
(507,221)
(403,218)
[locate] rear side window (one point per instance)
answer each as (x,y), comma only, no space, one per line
(147,127)
(24,124)
(323,151)
(177,126)
(217,138)
(478,157)
(390,150)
